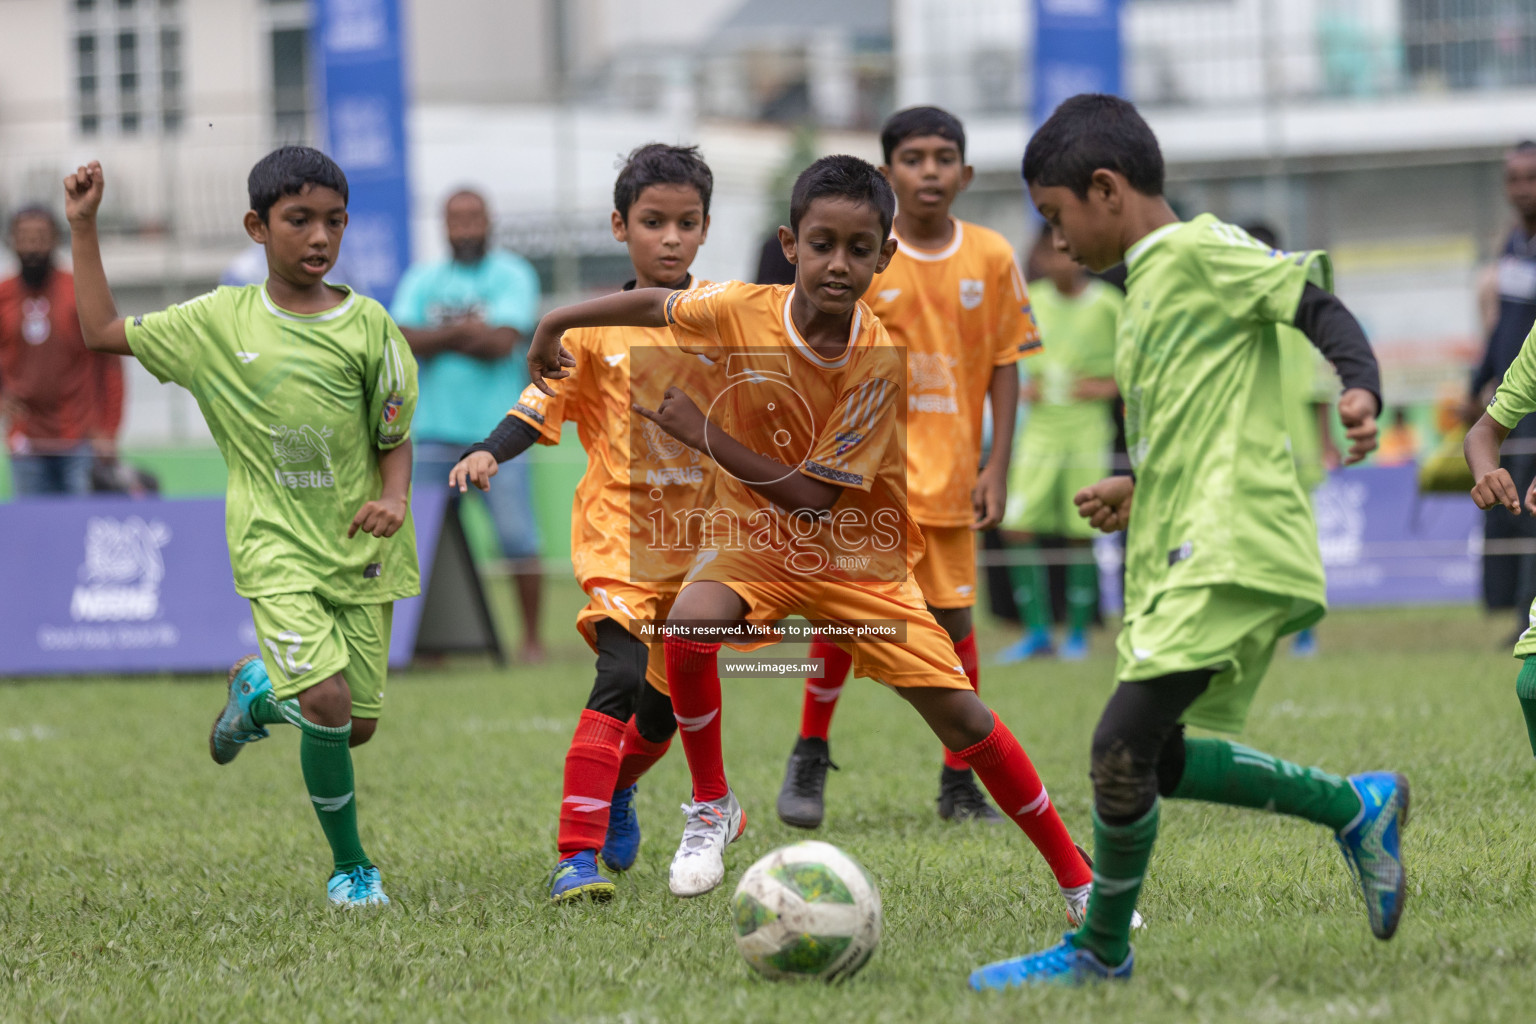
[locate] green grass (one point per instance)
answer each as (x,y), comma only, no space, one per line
(138,881)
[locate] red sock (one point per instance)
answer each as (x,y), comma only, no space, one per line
(637,755)
(693,676)
(591,765)
(821,694)
(966,648)
(1004,769)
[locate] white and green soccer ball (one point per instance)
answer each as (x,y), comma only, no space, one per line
(807,911)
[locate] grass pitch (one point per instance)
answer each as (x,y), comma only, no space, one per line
(138,881)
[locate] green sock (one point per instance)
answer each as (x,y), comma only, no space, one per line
(268,710)
(327,767)
(1525,689)
(1120,857)
(1222,772)
(1082,594)
(1032,593)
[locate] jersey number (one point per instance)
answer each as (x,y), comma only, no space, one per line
(288,658)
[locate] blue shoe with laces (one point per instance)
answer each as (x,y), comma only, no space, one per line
(1060,965)
(576,877)
(234,727)
(1034,644)
(1372,846)
(359,887)
(622,843)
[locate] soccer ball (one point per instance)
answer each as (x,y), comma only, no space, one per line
(807,911)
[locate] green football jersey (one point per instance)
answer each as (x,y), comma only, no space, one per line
(1516,397)
(1198,364)
(1078,336)
(299,406)
(1302,385)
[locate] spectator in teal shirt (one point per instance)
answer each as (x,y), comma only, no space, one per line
(467,320)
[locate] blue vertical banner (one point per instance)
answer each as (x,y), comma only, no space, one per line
(358,54)
(1077,49)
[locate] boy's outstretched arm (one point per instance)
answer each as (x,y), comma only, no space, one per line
(1494,486)
(642,307)
(786,486)
(479,462)
(990,495)
(1335,332)
(100,325)
(385,514)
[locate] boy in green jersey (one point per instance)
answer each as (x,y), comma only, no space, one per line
(1513,401)
(1221,550)
(308,389)
(1067,444)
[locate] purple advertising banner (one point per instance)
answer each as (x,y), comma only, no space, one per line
(1382,542)
(115,585)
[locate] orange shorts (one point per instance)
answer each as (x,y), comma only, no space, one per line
(926,658)
(629,604)
(946,572)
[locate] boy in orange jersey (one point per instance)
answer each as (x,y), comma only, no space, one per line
(661,212)
(953,297)
(820,527)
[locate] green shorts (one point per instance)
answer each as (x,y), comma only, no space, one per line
(1228,628)
(1041,486)
(306,639)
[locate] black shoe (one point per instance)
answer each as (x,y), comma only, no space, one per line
(805,779)
(960,799)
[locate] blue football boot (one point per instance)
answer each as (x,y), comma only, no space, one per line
(234,727)
(1372,846)
(1034,644)
(360,887)
(1075,648)
(1060,965)
(622,843)
(576,877)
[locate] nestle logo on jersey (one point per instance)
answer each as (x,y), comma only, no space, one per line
(297,446)
(674,475)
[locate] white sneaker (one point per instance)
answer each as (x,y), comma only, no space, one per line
(699,864)
(1077,906)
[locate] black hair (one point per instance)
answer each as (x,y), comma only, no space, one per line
(1264,233)
(286,171)
(918,121)
(843,177)
(1523,147)
(659,164)
(35,210)
(1092,132)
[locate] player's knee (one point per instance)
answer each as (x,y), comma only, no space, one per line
(362,731)
(328,703)
(621,661)
(1124,785)
(654,720)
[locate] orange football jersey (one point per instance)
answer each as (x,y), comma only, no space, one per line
(639,481)
(838,420)
(959,312)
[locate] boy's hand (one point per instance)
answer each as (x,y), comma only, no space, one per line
(678,416)
(989,496)
(475,468)
(1498,488)
(381,518)
(82,193)
(1107,504)
(547,357)
(1357,411)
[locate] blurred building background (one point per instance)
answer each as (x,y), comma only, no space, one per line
(1371,127)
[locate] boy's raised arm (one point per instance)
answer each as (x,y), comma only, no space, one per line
(100,325)
(641,307)
(1493,485)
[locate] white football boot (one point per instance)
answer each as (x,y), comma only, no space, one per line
(699,864)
